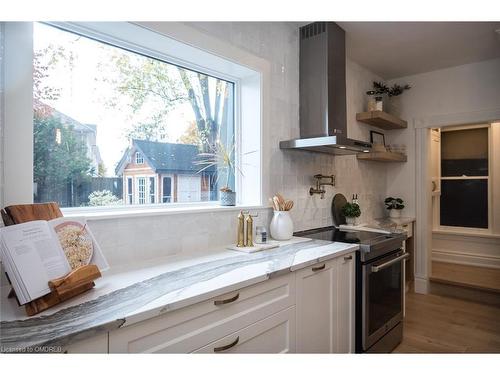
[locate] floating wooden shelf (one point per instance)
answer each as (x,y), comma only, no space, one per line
(387,157)
(382,120)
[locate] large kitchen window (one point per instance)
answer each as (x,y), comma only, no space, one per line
(103,113)
(112,101)
(465,177)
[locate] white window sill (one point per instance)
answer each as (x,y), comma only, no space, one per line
(103,213)
(466,233)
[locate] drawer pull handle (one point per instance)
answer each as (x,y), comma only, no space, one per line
(225,301)
(319,268)
(349,257)
(226,347)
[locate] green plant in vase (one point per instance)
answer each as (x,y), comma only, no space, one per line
(351,211)
(394,205)
(221,158)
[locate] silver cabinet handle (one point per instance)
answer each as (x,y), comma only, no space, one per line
(319,268)
(389,263)
(349,257)
(226,301)
(226,347)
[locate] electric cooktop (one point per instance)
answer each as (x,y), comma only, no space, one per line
(371,244)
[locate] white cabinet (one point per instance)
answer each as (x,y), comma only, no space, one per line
(275,334)
(316,296)
(311,310)
(325,307)
(96,345)
(194,327)
(346,303)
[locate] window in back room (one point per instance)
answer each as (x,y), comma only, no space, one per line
(464,177)
(114,127)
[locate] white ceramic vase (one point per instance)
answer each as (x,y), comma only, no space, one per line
(395,214)
(350,220)
(281,226)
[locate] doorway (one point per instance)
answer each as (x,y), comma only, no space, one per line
(464,243)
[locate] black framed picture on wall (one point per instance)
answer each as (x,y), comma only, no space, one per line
(377,138)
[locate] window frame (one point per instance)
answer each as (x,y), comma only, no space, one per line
(129,192)
(152,195)
(437,206)
(139,159)
(249,74)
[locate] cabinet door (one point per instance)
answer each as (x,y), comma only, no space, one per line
(316,296)
(97,344)
(345,304)
(275,334)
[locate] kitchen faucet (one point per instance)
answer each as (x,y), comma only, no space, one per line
(318,189)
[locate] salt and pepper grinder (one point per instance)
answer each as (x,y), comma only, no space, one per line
(355,198)
(245,229)
(249,236)
(241,230)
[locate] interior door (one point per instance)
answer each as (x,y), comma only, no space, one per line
(436,161)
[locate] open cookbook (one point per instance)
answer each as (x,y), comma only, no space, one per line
(36,252)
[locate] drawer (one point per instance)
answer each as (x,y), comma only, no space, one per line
(193,327)
(275,334)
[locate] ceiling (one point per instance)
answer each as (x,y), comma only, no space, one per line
(397,49)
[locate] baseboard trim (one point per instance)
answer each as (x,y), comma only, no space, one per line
(421,285)
(467,259)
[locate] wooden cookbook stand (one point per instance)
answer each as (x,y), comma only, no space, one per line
(74,283)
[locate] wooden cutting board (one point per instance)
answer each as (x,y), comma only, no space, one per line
(22,213)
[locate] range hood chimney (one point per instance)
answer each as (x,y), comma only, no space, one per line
(323,123)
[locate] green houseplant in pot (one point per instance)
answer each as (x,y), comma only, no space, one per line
(392,94)
(394,205)
(351,211)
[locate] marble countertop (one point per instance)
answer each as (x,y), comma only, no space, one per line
(380,225)
(389,221)
(127,296)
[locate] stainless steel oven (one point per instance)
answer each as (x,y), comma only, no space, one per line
(382,301)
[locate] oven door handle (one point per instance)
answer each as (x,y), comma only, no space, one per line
(391,262)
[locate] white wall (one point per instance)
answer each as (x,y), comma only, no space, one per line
(464,91)
(2,112)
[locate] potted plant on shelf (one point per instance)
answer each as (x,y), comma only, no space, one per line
(393,95)
(351,211)
(221,158)
(394,205)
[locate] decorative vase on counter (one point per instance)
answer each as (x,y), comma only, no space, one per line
(394,213)
(350,220)
(281,226)
(227,198)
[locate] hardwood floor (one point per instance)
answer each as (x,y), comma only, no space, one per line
(487,279)
(436,324)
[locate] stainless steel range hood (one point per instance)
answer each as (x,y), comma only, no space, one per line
(323,123)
